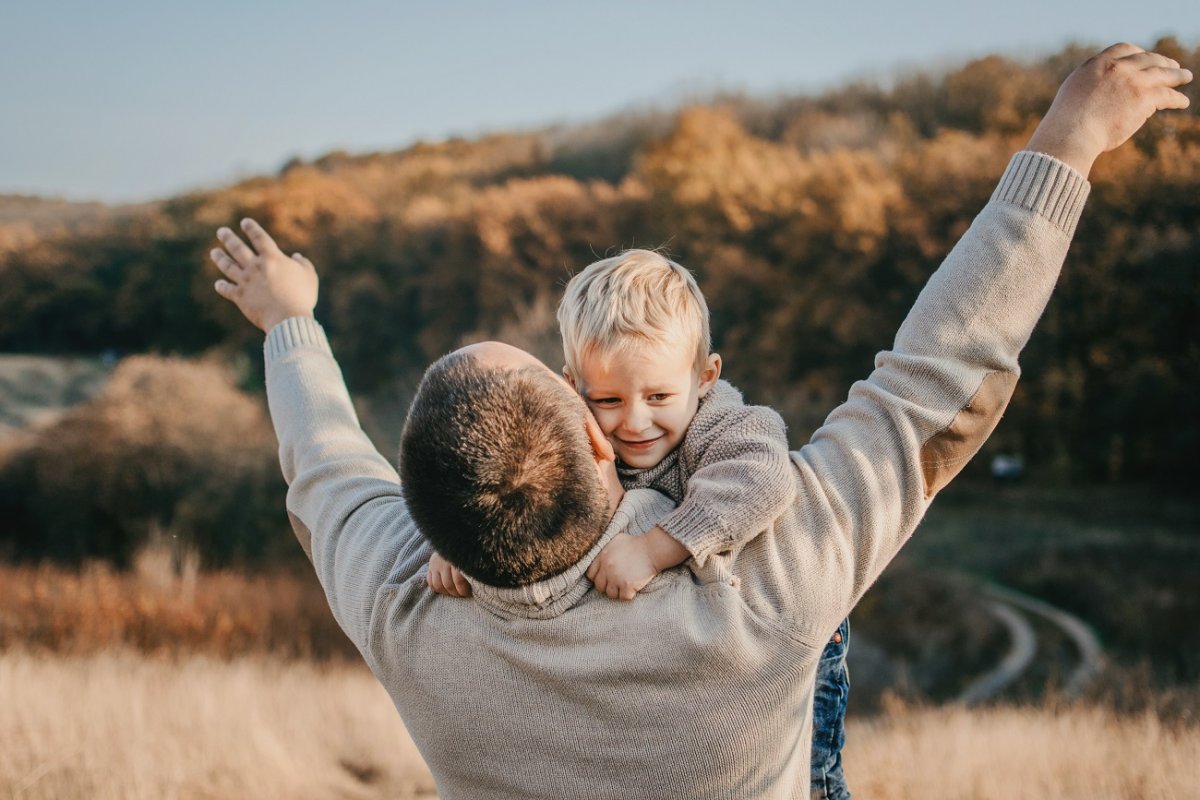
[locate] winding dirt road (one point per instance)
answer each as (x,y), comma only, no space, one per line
(1010,607)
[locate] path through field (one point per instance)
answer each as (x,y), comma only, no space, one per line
(1010,608)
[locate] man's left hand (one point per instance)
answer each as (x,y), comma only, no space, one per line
(266,285)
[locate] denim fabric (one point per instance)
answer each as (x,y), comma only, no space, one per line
(829,719)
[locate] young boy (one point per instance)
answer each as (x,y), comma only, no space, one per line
(637,348)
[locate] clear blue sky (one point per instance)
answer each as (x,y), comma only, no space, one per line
(128,100)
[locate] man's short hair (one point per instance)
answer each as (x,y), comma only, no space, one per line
(636,298)
(498,471)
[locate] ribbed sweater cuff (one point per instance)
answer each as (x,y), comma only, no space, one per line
(292,333)
(1046,186)
(698,530)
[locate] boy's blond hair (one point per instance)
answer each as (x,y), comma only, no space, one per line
(637,298)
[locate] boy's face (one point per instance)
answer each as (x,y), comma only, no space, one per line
(645,399)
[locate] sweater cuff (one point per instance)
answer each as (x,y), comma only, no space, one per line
(1046,186)
(292,333)
(698,530)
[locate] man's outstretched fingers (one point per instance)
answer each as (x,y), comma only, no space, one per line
(300,259)
(236,247)
(229,268)
(1146,59)
(261,240)
(1121,50)
(1172,98)
(226,289)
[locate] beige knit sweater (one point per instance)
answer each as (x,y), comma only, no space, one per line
(700,687)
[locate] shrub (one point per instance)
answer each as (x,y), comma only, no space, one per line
(170,447)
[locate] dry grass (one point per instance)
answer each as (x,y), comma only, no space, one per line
(1083,753)
(119,724)
(155,608)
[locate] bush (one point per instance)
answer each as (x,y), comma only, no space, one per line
(169,447)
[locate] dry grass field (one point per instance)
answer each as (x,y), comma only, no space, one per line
(119,724)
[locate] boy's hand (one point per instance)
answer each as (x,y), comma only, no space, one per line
(445,578)
(266,286)
(1104,102)
(627,563)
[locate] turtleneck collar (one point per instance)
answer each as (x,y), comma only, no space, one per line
(640,510)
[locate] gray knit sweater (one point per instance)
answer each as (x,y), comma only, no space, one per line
(700,687)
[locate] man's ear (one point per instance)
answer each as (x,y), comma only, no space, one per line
(710,373)
(601,446)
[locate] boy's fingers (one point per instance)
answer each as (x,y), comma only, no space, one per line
(460,583)
(435,582)
(303,260)
(236,247)
(592,569)
(261,240)
(229,268)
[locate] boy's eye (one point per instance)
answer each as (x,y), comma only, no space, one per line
(605,401)
(660,397)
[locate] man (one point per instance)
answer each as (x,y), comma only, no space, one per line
(538,687)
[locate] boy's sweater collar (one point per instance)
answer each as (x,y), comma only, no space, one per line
(640,510)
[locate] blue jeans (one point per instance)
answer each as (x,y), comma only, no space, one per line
(829,719)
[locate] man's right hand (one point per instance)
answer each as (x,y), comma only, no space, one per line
(1105,101)
(266,286)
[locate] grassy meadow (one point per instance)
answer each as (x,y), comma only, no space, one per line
(165,681)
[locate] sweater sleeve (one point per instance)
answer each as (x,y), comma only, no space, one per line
(343,497)
(866,478)
(738,475)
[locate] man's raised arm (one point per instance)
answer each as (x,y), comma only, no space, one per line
(343,497)
(868,474)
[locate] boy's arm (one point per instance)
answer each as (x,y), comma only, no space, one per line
(738,474)
(343,497)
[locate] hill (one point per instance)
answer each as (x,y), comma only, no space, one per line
(811,222)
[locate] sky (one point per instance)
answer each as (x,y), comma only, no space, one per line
(123,101)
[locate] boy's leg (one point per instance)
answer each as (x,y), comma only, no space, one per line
(829,719)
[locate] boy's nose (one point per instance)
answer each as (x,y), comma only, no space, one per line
(636,421)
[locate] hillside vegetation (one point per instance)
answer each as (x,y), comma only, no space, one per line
(812,223)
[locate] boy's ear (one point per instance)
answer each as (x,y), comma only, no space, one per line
(710,373)
(601,446)
(569,378)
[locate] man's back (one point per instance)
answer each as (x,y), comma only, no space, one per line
(685,692)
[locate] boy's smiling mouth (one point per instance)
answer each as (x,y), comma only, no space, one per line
(643,444)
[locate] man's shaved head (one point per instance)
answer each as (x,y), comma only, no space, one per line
(497,468)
